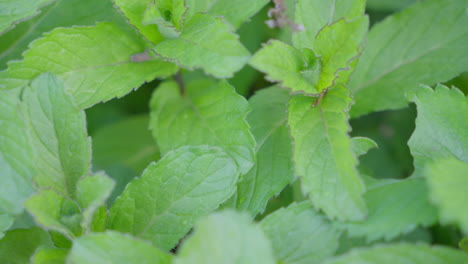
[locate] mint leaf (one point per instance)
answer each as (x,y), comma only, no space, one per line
(168,15)
(448,182)
(407,49)
(300,235)
(235,12)
(314,15)
(98,73)
(14,11)
(439,133)
(361,145)
(209,113)
(113,247)
(274,168)
(57,130)
(323,156)
(49,256)
(163,204)
(242,241)
(219,51)
(402,253)
(18,245)
(395,207)
(295,70)
(6,221)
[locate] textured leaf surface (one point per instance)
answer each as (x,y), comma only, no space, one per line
(300,235)
(323,156)
(316,14)
(113,247)
(361,145)
(448,185)
(395,207)
(441,131)
(210,113)
(424,44)
(17,246)
(226,237)
(287,65)
(164,203)
(57,130)
(93,68)
(274,168)
(218,51)
(402,253)
(49,256)
(12,12)
(168,15)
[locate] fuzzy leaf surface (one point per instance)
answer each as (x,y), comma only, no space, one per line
(246,241)
(441,131)
(300,235)
(323,156)
(210,113)
(162,205)
(425,43)
(11,12)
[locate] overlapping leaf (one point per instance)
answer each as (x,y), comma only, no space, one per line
(11,12)
(164,203)
(19,245)
(424,44)
(46,255)
(361,145)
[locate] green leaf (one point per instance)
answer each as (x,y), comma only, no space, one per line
(61,13)
(395,207)
(15,160)
(134,11)
(384,5)
(300,235)
(6,221)
(464,244)
(426,43)
(235,12)
(402,253)
(18,245)
(362,145)
(448,185)
(92,193)
(98,73)
(57,130)
(55,212)
(163,204)
(274,168)
(314,15)
(113,247)
(49,256)
(226,237)
(209,113)
(218,51)
(295,70)
(14,11)
(440,126)
(323,156)
(168,15)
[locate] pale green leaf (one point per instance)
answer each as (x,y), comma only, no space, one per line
(209,113)
(17,246)
(362,145)
(425,43)
(274,168)
(235,12)
(441,128)
(49,256)
(61,13)
(11,12)
(168,15)
(226,237)
(55,212)
(300,235)
(323,156)
(314,15)
(295,70)
(116,248)
(134,10)
(395,207)
(448,185)
(163,204)
(93,68)
(218,51)
(57,130)
(92,193)
(6,221)
(402,253)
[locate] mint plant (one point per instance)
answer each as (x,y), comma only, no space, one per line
(291,132)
